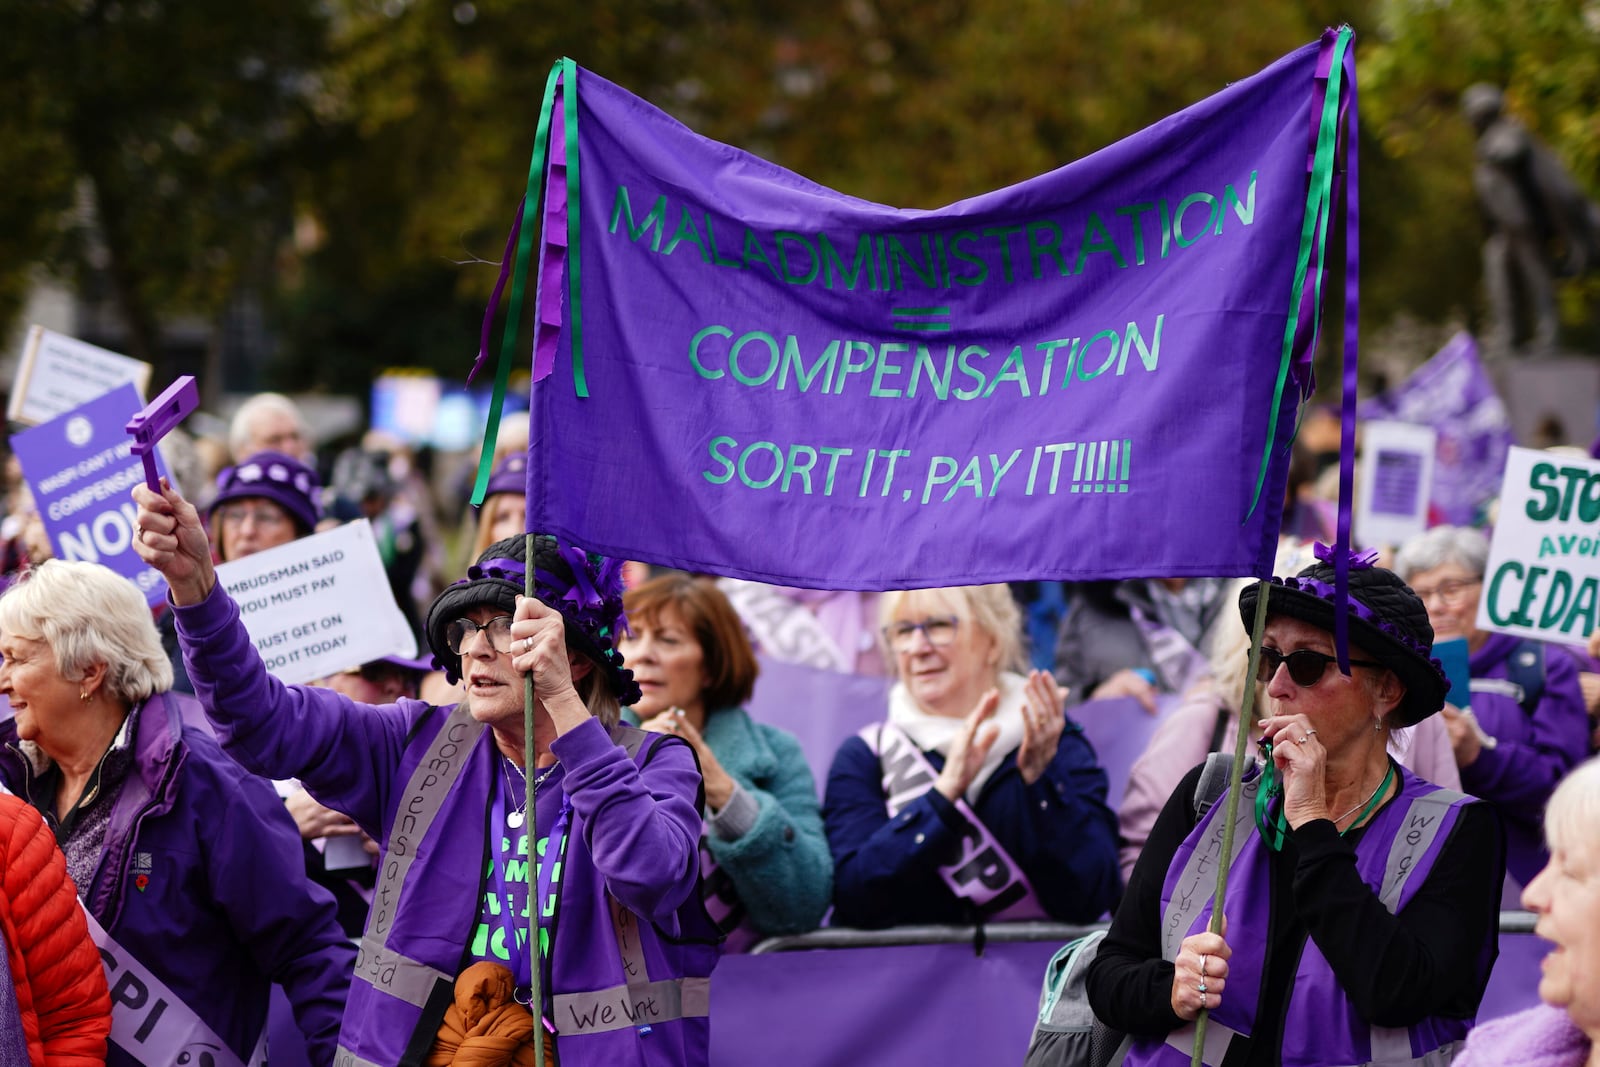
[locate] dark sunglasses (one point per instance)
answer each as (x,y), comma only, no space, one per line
(1306,666)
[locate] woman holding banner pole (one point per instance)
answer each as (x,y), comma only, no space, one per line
(188,867)
(1362,907)
(625,946)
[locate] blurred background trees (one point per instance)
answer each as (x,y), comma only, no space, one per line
(331,181)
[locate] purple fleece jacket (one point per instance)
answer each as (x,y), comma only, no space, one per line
(1532,753)
(636,832)
(1542,1036)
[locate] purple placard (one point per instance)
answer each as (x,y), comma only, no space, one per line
(1074,377)
(81,468)
(1396,483)
(1453,394)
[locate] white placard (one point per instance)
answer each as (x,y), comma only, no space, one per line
(1543,577)
(319,605)
(58,373)
(1395,482)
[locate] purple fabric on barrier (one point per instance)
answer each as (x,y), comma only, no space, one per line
(904,1006)
(81,469)
(1120,730)
(821,708)
(765,358)
(1453,394)
(909,1006)
(1514,982)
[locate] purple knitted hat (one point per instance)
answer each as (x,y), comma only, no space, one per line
(1387,619)
(273,476)
(510,476)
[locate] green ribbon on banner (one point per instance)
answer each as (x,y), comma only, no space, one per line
(569,100)
(519,277)
(1313,235)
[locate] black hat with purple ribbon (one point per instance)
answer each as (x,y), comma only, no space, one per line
(1386,619)
(585,587)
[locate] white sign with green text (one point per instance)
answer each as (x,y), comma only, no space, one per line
(1543,577)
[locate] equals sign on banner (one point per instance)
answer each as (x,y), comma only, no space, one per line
(921,320)
(1101,466)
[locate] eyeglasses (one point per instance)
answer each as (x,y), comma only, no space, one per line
(1452,592)
(460,631)
(1306,666)
(939,630)
(262,515)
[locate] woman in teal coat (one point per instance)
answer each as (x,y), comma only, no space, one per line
(764,856)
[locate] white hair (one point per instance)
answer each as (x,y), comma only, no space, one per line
(990,607)
(1573,814)
(241,434)
(89,614)
(1461,545)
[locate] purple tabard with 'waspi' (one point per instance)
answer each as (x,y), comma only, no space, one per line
(1084,375)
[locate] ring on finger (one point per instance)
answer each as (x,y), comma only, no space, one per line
(1201,988)
(1302,739)
(1203,967)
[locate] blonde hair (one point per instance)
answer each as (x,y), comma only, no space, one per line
(990,607)
(89,614)
(597,696)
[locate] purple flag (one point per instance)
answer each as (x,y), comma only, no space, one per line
(1091,374)
(81,467)
(1453,394)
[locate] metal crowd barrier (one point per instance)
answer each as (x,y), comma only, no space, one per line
(1511,922)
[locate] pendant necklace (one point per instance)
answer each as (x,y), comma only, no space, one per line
(515,819)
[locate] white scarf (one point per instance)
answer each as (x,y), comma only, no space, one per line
(936,733)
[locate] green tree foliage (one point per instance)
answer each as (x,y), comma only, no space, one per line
(1545,54)
(172,125)
(390,138)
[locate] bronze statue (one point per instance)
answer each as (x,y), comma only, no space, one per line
(1541,224)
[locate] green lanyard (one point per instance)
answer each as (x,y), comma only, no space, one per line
(1272,825)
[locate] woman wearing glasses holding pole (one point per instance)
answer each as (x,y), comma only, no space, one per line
(444,971)
(1362,904)
(976,800)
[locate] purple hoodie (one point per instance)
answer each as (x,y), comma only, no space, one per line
(634,839)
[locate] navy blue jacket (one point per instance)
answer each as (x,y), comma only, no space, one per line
(1059,829)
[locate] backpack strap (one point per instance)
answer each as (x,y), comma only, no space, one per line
(1219,732)
(1213,782)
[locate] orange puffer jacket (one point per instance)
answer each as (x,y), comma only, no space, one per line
(61,985)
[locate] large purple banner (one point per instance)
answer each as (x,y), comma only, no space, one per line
(1086,375)
(1453,394)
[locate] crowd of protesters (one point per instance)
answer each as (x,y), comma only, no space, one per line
(197,805)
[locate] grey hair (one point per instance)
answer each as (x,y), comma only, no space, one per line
(1461,545)
(991,608)
(239,432)
(1574,809)
(89,614)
